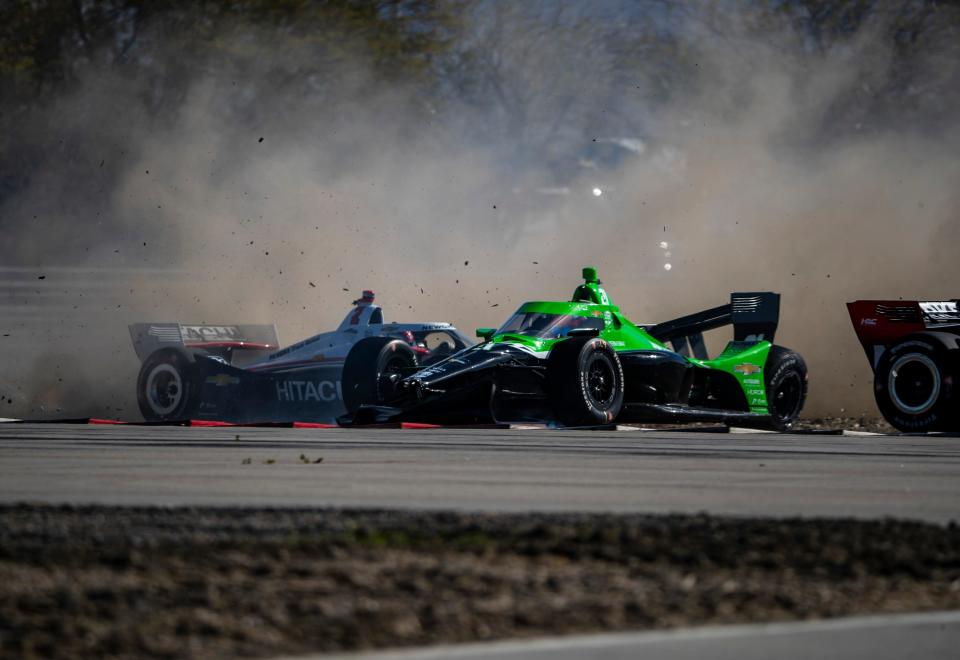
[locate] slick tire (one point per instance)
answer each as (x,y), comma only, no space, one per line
(786,385)
(914,385)
(584,382)
(372,369)
(167,387)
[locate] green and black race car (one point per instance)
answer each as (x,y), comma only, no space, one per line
(582,363)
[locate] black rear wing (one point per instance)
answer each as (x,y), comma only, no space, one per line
(754,317)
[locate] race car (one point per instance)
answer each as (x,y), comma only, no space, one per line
(914,351)
(582,363)
(235,372)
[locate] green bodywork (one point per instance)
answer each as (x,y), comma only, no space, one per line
(744,361)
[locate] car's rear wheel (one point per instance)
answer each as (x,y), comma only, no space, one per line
(167,388)
(914,385)
(372,371)
(584,382)
(786,386)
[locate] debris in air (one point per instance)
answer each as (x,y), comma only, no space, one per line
(312,284)
(42,277)
(260,140)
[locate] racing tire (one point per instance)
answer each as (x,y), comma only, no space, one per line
(584,382)
(167,387)
(786,387)
(372,369)
(914,385)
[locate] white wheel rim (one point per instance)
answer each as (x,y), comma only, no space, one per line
(174,387)
(895,395)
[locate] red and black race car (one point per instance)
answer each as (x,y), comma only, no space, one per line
(914,349)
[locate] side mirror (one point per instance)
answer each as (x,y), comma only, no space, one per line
(485,333)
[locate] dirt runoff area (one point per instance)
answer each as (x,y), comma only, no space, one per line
(203,582)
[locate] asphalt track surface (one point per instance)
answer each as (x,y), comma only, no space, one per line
(929,636)
(478,469)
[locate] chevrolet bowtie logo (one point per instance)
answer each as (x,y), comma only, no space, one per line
(747,369)
(222,380)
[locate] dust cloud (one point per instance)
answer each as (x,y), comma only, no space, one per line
(214,217)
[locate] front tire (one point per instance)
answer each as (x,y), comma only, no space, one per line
(914,385)
(786,387)
(585,382)
(372,370)
(167,388)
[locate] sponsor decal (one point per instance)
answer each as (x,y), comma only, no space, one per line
(756,393)
(940,313)
(222,380)
(747,369)
(870,322)
(308,390)
(204,333)
(432,371)
(165,334)
(751,381)
(618,343)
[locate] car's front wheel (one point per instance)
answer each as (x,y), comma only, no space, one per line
(584,382)
(373,369)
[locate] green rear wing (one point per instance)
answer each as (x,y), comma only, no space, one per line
(753,315)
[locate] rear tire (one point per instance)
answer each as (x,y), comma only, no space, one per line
(786,386)
(914,385)
(167,387)
(584,382)
(372,370)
